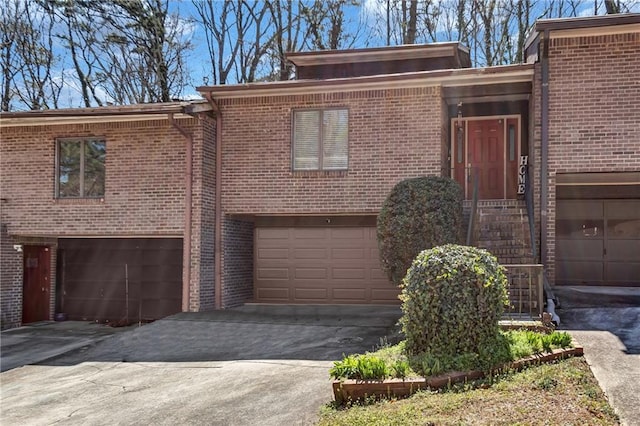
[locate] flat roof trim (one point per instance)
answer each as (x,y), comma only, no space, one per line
(39,120)
(587,21)
(327,57)
(136,109)
(479,76)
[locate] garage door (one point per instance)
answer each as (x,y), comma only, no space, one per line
(320,265)
(598,242)
(119,279)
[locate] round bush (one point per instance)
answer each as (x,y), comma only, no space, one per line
(418,214)
(453,297)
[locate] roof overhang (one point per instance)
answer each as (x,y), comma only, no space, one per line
(501,92)
(444,78)
(393,53)
(108,114)
(585,26)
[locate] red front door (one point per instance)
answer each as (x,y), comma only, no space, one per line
(36,285)
(485,157)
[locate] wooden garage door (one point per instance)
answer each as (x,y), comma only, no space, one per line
(320,265)
(598,242)
(115,279)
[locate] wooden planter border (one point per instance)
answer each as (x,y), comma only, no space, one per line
(355,390)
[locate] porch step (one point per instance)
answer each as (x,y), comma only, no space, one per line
(502,228)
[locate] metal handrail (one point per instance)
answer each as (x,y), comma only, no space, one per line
(526,287)
(473,174)
(528,198)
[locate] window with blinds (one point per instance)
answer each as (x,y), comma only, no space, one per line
(320,139)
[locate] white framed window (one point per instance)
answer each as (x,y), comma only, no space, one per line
(320,139)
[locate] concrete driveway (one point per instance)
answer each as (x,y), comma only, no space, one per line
(611,340)
(264,365)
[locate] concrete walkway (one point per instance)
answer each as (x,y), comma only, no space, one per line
(255,365)
(611,341)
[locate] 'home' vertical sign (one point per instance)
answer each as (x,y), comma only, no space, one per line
(522,173)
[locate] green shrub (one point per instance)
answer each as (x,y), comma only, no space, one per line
(418,214)
(453,297)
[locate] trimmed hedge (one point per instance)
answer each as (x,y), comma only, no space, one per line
(418,214)
(453,297)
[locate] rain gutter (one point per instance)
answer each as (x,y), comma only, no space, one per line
(218,203)
(186,263)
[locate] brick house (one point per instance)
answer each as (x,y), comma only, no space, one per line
(93,212)
(269,192)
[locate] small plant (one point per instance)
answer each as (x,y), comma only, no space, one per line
(427,364)
(400,369)
(546,343)
(518,345)
(360,367)
(546,383)
(561,339)
(346,368)
(371,368)
(534,340)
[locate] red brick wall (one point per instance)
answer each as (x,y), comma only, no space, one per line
(144,194)
(593,110)
(393,134)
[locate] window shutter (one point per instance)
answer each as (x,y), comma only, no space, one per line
(306,140)
(335,131)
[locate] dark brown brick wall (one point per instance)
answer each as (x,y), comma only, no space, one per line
(237,262)
(203,222)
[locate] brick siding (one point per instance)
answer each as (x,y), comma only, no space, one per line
(393,134)
(10,283)
(144,195)
(237,262)
(593,110)
(203,219)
